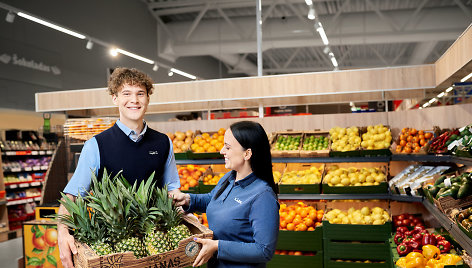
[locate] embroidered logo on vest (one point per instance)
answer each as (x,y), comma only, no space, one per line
(153,152)
(238,200)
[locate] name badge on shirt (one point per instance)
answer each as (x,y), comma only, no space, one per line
(153,152)
(238,200)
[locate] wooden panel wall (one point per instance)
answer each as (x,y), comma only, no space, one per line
(443,116)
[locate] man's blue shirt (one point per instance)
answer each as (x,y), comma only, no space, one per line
(244,219)
(90,160)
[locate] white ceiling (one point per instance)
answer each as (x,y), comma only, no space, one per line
(362,33)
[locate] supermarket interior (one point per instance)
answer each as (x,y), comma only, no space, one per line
(365,104)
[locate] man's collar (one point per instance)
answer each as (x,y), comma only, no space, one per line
(127,130)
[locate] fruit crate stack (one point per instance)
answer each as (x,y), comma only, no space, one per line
(376,140)
(301,178)
(302,246)
(345,142)
(356,234)
(315,144)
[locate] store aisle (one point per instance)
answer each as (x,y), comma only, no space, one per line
(10,252)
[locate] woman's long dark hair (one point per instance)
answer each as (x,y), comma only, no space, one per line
(251,135)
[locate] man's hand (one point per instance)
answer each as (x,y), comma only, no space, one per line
(209,247)
(180,199)
(65,241)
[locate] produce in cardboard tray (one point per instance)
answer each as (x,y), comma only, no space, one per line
(345,139)
(428,256)
(412,240)
(120,217)
(212,179)
(181,140)
(299,217)
(307,176)
(289,143)
(439,144)
(353,177)
(312,143)
(412,140)
(206,143)
(189,176)
(365,215)
(376,137)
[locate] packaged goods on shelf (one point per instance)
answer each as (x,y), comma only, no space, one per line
(410,180)
(85,128)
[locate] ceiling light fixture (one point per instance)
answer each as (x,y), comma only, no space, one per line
(333,59)
(309,2)
(311,13)
(440,95)
(132,55)
(466,77)
(182,73)
(10,17)
(324,38)
(425,104)
(50,25)
(326,50)
(155,67)
(113,52)
(170,73)
(449,89)
(89,45)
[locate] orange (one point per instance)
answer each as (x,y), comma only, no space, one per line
(402,143)
(311,228)
(404,130)
(319,217)
(409,138)
(398,149)
(211,149)
(428,135)
(206,146)
(308,222)
(292,213)
(283,214)
(297,221)
(193,183)
(221,138)
(413,131)
(283,224)
(289,218)
(422,142)
(403,137)
(297,253)
(221,131)
(317,224)
(420,136)
(407,150)
(214,136)
(201,142)
(301,227)
(290,226)
(304,213)
(312,215)
(205,135)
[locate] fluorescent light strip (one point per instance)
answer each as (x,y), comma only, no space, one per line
(132,55)
(50,25)
(440,95)
(466,78)
(183,73)
(322,33)
(311,13)
(449,89)
(309,2)
(426,105)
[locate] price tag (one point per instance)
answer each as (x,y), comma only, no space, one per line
(34,153)
(447,182)
(42,152)
(16,169)
(10,153)
(36,168)
(49,152)
(28,169)
(37,199)
(453,144)
(44,167)
(36,183)
(22,185)
(13,186)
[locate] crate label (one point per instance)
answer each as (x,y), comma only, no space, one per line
(165,262)
(447,182)
(191,249)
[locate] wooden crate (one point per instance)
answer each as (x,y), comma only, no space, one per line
(183,256)
(315,153)
(286,153)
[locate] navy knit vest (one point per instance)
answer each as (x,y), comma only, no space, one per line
(137,160)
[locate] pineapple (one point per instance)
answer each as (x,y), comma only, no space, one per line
(178,233)
(157,241)
(86,226)
(133,244)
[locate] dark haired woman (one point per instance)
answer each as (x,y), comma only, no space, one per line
(242,210)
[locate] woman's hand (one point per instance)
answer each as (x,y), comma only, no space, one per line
(66,247)
(209,247)
(180,199)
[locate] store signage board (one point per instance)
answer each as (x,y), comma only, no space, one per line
(26,63)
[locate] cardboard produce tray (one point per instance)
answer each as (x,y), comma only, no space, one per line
(374,152)
(301,240)
(448,202)
(314,153)
(211,170)
(292,261)
(300,188)
(372,189)
(286,153)
(183,256)
(182,156)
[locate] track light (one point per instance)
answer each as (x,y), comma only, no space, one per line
(10,17)
(50,25)
(155,67)
(311,13)
(326,50)
(170,73)
(309,2)
(89,44)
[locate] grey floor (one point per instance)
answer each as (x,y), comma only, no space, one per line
(10,252)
